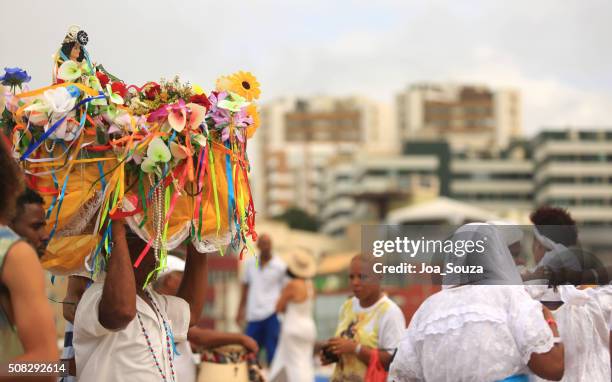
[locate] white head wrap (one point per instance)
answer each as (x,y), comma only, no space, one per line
(558,255)
(497,262)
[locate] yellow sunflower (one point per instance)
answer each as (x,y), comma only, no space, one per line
(252,111)
(245,84)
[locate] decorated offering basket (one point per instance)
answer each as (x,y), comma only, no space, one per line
(166,156)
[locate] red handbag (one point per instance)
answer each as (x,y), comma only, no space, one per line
(376,372)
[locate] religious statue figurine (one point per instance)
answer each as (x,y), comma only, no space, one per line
(72,48)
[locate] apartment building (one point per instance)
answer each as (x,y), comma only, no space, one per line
(467,116)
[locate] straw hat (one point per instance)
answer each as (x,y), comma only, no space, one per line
(301,263)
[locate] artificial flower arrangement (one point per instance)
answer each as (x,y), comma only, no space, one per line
(165,156)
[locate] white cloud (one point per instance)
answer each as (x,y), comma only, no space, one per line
(547,102)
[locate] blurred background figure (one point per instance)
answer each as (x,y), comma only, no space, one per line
(168,283)
(582,317)
(29,221)
(559,257)
(555,231)
(27,332)
(368,321)
(293,361)
(262,282)
(77,284)
(479,330)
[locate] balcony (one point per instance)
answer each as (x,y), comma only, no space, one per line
(343,204)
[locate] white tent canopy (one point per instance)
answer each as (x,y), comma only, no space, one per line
(440,210)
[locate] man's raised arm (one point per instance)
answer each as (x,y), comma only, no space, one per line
(118,303)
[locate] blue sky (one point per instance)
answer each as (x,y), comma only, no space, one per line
(557,53)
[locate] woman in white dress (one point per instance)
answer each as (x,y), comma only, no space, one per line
(582,318)
(293,360)
(482,327)
(582,315)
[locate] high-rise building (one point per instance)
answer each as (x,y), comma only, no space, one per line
(299,136)
(500,181)
(466,116)
(563,168)
(573,169)
(363,189)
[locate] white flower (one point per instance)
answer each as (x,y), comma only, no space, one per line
(66,130)
(59,100)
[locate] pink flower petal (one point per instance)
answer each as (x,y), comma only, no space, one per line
(177,119)
(198,113)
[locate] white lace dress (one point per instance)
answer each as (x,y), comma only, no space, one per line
(472,333)
(584,329)
(293,359)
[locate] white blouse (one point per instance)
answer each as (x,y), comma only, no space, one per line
(472,333)
(124,355)
(584,329)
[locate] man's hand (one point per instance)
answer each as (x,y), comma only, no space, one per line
(339,346)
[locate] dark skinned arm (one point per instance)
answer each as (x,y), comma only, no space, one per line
(341,346)
(549,365)
(118,303)
(24,277)
(210,339)
(242,306)
(286,295)
(193,285)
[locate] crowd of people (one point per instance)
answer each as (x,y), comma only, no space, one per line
(504,325)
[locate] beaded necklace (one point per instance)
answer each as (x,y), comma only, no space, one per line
(168,344)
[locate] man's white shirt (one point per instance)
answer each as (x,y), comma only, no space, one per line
(265,286)
(105,355)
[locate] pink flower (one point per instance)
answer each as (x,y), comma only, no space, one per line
(159,114)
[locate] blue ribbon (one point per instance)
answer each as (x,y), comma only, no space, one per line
(230,186)
(33,146)
(60,200)
(171,335)
(56,184)
(516,378)
(105,235)
(172,137)
(63,56)
(102,178)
